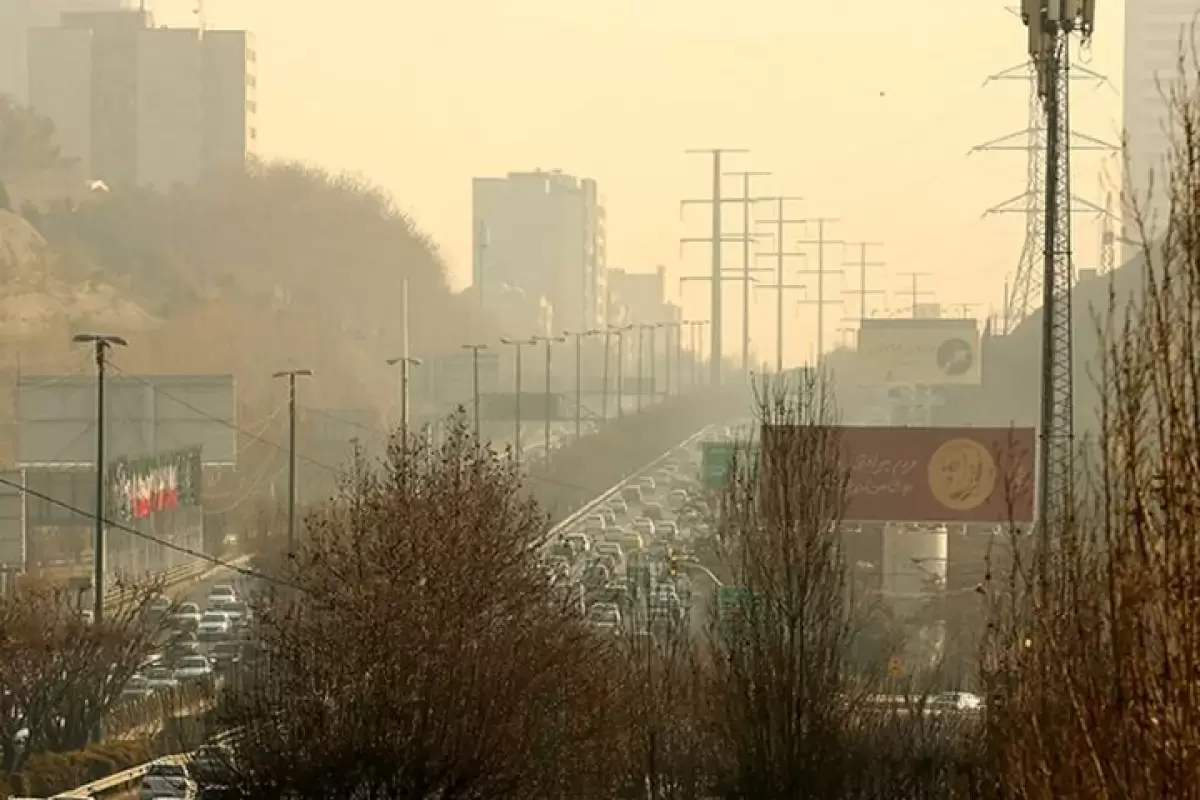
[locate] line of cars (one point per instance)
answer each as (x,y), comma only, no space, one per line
(621,561)
(205,641)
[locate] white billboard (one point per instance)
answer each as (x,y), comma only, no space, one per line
(927,352)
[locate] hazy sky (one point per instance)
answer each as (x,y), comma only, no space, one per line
(867,108)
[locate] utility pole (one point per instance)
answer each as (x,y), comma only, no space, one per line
(101,343)
(291,375)
(517,344)
(475,348)
(915,292)
(405,363)
(820,242)
(715,241)
(746,201)
(579,376)
(862,291)
(550,341)
(641,329)
(780,222)
(1051,23)
(482,240)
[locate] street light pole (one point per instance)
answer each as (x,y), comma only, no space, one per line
(550,341)
(405,363)
(620,331)
(101,344)
(291,375)
(640,375)
(579,376)
(475,348)
(517,344)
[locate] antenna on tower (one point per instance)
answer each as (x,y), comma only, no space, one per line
(1108,239)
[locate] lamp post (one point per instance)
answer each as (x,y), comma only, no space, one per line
(517,344)
(291,375)
(405,363)
(475,348)
(101,343)
(620,331)
(579,335)
(550,341)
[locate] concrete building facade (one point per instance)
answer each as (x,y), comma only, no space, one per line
(1154,32)
(142,105)
(539,242)
(639,298)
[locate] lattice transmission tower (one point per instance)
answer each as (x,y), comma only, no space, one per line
(1051,25)
(1022,293)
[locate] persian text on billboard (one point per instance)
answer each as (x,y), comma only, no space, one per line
(934,352)
(901,474)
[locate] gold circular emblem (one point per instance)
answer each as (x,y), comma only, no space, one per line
(962,474)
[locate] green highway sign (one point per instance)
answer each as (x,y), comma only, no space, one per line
(716,460)
(730,598)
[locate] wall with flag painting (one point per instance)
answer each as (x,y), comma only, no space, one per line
(142,487)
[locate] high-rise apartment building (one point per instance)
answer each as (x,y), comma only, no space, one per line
(143,105)
(1154,32)
(639,297)
(17,18)
(539,241)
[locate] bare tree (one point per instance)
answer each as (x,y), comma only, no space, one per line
(1095,635)
(418,650)
(63,674)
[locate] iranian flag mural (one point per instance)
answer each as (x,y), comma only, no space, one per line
(140,488)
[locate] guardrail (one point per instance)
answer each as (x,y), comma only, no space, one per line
(118,596)
(581,513)
(122,782)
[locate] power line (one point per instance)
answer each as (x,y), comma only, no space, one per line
(109,523)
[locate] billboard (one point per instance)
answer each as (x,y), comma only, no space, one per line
(502,406)
(902,474)
(147,414)
(12,521)
(933,352)
(141,488)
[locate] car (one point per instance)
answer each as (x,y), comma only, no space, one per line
(647,483)
(158,607)
(630,542)
(605,615)
(580,542)
(632,493)
(597,574)
(161,679)
(221,595)
(613,549)
(238,613)
(610,518)
(594,523)
(167,779)
(226,656)
(618,506)
(677,499)
(214,625)
(138,688)
(645,527)
(181,650)
(955,701)
(187,616)
(666,529)
(653,511)
(193,668)
(557,567)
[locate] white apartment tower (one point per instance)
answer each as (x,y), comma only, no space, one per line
(142,105)
(1154,33)
(539,242)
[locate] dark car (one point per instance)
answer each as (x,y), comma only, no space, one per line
(226,655)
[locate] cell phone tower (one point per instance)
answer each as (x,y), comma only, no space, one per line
(1051,25)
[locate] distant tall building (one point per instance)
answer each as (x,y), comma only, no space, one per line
(17,18)
(1154,32)
(639,297)
(539,240)
(140,105)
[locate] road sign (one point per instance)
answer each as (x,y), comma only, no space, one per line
(716,460)
(730,599)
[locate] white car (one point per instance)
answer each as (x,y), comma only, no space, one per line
(161,679)
(955,701)
(138,688)
(214,625)
(193,668)
(173,775)
(188,616)
(605,616)
(221,595)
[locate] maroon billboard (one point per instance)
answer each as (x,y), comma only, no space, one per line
(901,474)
